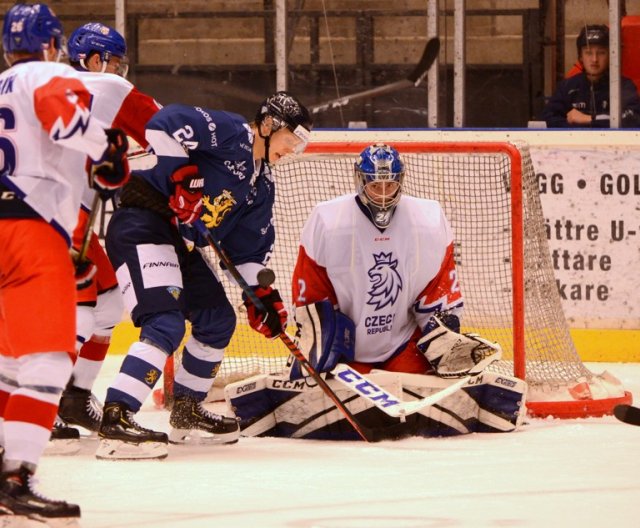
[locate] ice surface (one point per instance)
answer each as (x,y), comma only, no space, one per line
(581,473)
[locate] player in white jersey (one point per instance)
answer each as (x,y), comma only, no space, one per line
(46,140)
(375,287)
(384,260)
(98,52)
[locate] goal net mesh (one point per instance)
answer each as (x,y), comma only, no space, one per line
(474,188)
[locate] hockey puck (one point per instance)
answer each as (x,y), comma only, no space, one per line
(266,277)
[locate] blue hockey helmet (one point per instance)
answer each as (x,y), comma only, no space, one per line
(95,37)
(379,173)
(29,28)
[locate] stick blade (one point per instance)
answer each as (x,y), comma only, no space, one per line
(429,55)
(627,414)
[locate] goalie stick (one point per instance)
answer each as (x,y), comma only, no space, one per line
(385,401)
(627,414)
(365,433)
(429,55)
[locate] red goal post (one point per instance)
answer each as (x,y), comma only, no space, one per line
(490,195)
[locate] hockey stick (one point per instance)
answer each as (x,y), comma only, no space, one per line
(267,278)
(429,55)
(385,401)
(86,238)
(627,414)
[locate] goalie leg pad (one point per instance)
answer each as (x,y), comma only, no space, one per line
(491,403)
(501,400)
(455,355)
(325,336)
(250,402)
(278,406)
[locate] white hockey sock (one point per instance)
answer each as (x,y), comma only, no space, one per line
(198,368)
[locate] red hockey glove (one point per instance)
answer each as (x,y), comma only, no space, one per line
(85,270)
(272,323)
(186,200)
(112,171)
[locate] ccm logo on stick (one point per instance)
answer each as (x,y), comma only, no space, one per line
(366,388)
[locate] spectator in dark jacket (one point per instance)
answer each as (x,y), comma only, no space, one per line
(582,101)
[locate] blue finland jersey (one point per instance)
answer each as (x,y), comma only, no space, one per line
(238,195)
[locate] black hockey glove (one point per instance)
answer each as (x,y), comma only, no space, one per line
(111,172)
(85,270)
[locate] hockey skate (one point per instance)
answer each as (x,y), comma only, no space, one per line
(80,407)
(19,499)
(64,440)
(193,424)
(121,438)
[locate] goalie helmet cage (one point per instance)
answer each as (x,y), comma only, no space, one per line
(490,195)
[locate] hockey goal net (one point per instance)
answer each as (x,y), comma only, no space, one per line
(490,195)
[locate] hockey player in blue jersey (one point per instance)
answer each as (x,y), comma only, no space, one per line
(214,166)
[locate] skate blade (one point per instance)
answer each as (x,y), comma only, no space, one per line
(198,437)
(20,521)
(57,522)
(64,447)
(118,450)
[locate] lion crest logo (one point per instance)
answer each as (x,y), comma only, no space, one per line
(217,208)
(151,377)
(386,282)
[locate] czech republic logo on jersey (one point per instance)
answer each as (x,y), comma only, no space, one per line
(386,282)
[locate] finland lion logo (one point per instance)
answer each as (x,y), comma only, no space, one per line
(386,282)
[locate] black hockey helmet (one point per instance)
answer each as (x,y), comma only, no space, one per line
(286,111)
(593,35)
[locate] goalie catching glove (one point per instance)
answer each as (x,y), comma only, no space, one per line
(455,355)
(272,322)
(111,172)
(186,200)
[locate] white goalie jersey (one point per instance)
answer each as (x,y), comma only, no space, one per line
(388,282)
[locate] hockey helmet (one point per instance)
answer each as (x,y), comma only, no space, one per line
(29,28)
(95,37)
(286,111)
(593,35)
(379,174)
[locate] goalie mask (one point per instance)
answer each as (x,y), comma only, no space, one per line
(287,112)
(29,28)
(379,173)
(95,37)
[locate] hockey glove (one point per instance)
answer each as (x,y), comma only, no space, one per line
(455,355)
(186,200)
(112,171)
(85,270)
(272,323)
